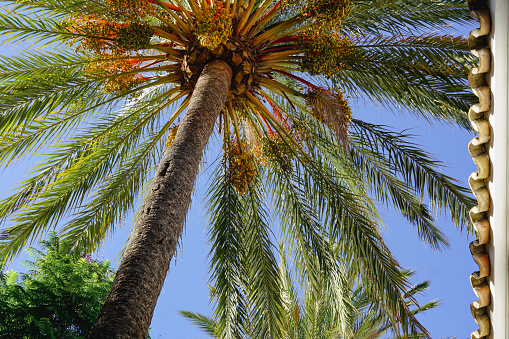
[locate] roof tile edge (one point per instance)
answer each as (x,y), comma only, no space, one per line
(479,46)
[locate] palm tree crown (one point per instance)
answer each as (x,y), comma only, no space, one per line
(102,99)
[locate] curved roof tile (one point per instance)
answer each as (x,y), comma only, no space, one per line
(479,44)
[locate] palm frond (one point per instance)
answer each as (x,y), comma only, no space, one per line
(421,74)
(84,160)
(374,323)
(360,240)
(289,297)
(42,63)
(113,199)
(330,109)
(311,252)
(263,273)
(226,235)
(58,9)
(205,323)
(406,16)
(417,168)
(17,27)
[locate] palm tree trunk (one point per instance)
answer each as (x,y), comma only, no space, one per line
(130,304)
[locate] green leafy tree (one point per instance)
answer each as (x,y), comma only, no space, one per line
(60,297)
(316,315)
(275,76)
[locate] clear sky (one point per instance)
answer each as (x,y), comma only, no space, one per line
(186,284)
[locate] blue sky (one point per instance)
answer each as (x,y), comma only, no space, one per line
(186,284)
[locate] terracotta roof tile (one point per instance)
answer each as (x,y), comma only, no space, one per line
(479,44)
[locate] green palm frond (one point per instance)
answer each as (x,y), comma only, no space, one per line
(19,28)
(361,241)
(389,189)
(299,222)
(263,274)
(226,236)
(380,177)
(417,168)
(62,184)
(398,16)
(309,308)
(206,324)
(381,69)
(59,9)
(113,199)
(289,296)
(373,323)
(310,251)
(40,64)
(25,105)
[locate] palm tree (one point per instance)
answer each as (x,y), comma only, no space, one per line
(275,74)
(318,315)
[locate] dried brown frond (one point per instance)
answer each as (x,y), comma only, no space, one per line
(331,108)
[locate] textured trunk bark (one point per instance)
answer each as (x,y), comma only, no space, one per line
(130,304)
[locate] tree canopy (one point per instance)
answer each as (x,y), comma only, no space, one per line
(60,297)
(110,79)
